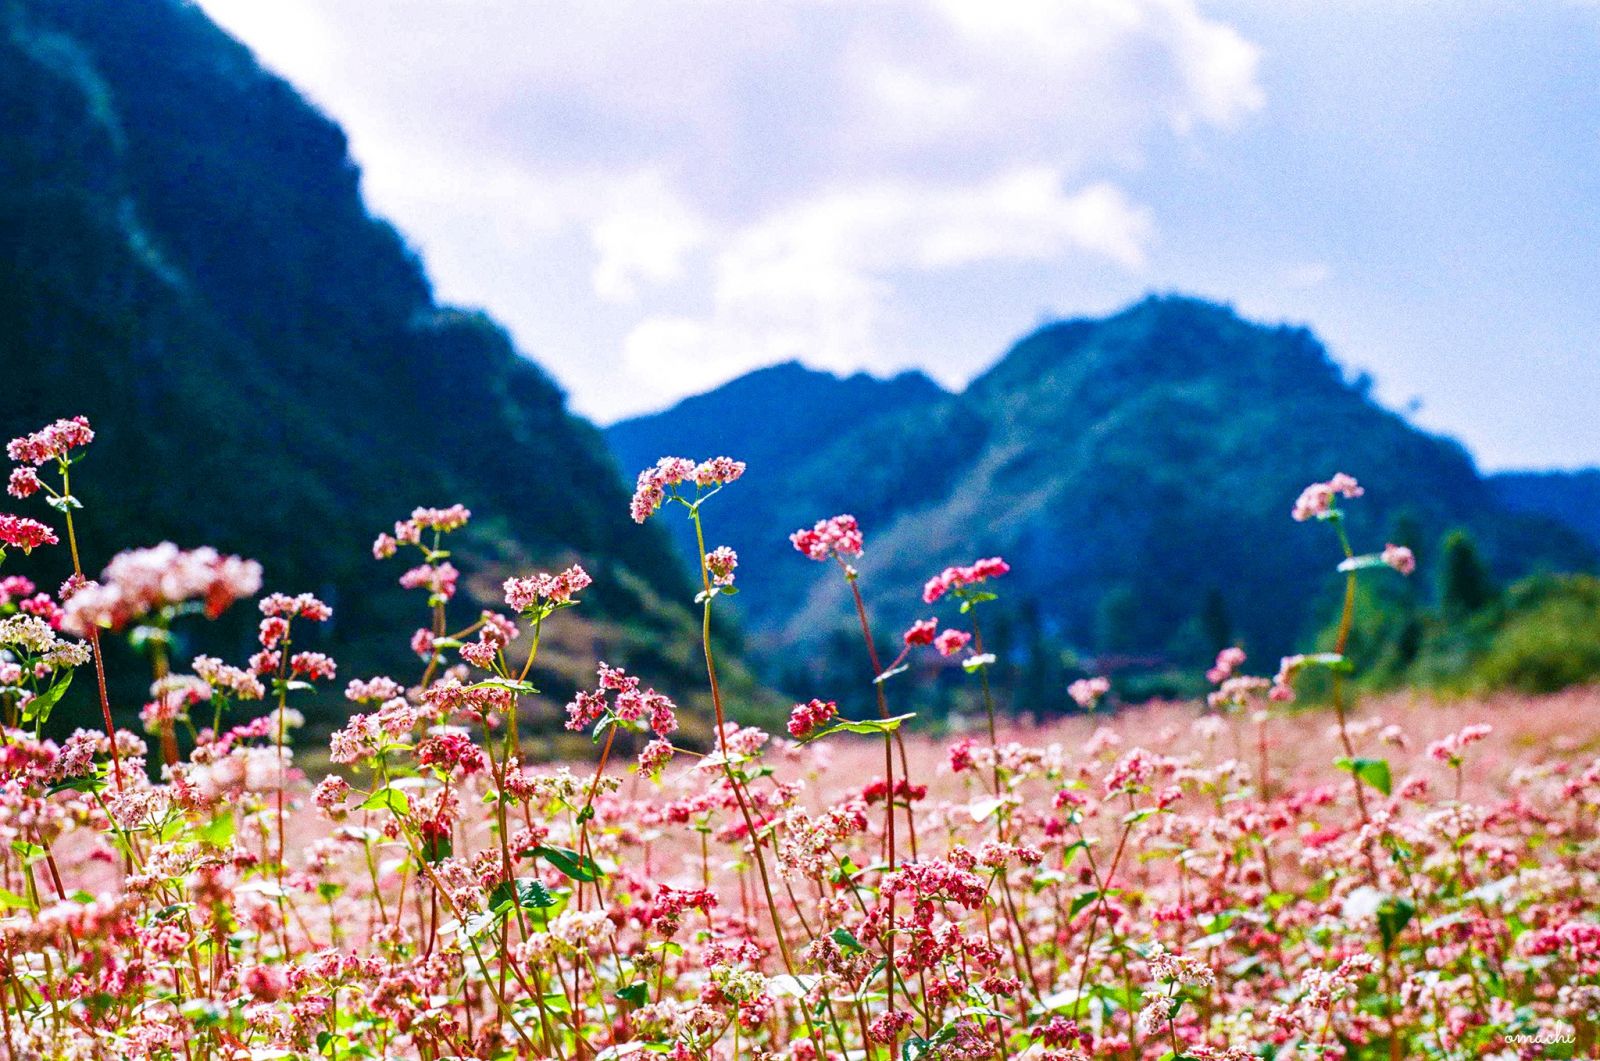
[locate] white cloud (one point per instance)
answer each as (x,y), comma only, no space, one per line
(690,190)
(813,281)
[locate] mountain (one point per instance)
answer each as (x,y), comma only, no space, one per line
(1137,471)
(189,262)
(1571,497)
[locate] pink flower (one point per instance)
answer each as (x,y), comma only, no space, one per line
(1317,500)
(25,534)
(839,536)
(650,489)
(1400,558)
(1449,749)
(267,983)
(438,579)
(720,562)
(384,546)
(50,442)
(24,482)
(920,632)
(304,606)
(1086,692)
(655,757)
(1228,660)
(951,641)
(806,718)
(536,591)
(312,665)
(961,577)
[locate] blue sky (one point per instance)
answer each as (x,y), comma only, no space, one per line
(657,196)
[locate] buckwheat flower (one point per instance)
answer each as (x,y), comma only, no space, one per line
(438,579)
(444,520)
(1400,558)
(838,536)
(1238,691)
(1228,660)
(1449,749)
(303,606)
(51,442)
(422,642)
(237,683)
(26,534)
(655,756)
(24,482)
(951,641)
(887,1027)
(524,595)
(962,577)
(806,718)
(718,471)
(332,792)
(1086,692)
(313,665)
(384,546)
(720,562)
(480,653)
(920,632)
(1316,500)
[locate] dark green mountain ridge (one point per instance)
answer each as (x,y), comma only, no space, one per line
(1129,468)
(187,260)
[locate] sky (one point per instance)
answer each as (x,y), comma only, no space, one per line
(655,197)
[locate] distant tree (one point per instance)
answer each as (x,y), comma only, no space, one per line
(1215,623)
(1465,585)
(1116,627)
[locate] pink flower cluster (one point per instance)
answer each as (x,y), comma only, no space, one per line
(537,591)
(140,581)
(811,716)
(1317,500)
(650,490)
(1087,692)
(1400,558)
(438,579)
(1450,749)
(838,536)
(951,641)
(19,532)
(51,442)
(962,577)
(1228,660)
(631,704)
(409,531)
(720,563)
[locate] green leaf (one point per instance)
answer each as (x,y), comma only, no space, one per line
(1374,772)
(569,862)
(869,726)
(219,831)
(586,814)
(388,798)
(974,599)
(1082,901)
(12,899)
(38,709)
(436,847)
(1393,916)
(635,994)
(846,939)
(525,893)
(974,663)
(505,683)
(1362,563)
(1331,660)
(93,782)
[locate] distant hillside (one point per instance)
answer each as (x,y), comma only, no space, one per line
(1571,497)
(188,261)
(1136,470)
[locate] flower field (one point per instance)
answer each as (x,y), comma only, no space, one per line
(1249,877)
